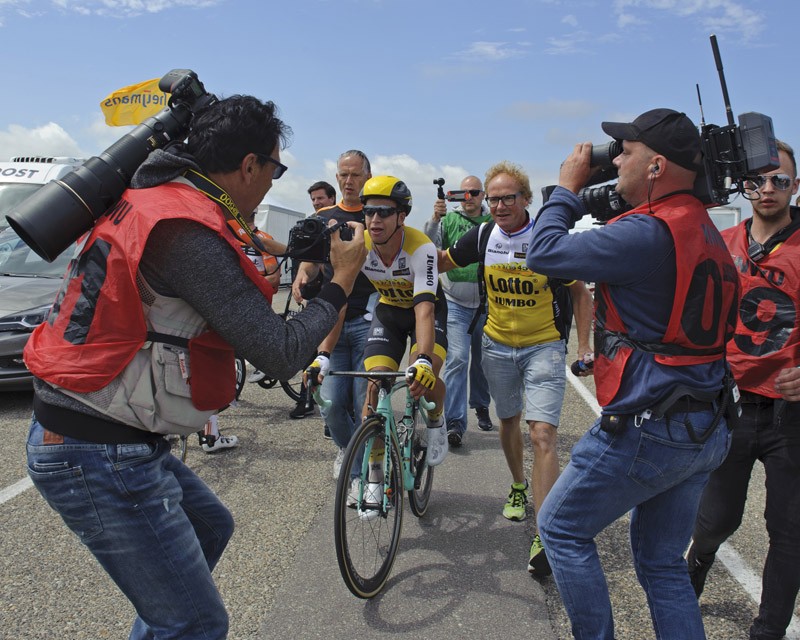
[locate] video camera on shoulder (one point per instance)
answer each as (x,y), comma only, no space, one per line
(310,239)
(730,155)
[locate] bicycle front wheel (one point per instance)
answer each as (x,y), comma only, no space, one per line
(419,495)
(367,527)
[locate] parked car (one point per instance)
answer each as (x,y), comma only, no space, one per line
(28,286)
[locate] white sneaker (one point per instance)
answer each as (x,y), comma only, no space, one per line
(352,495)
(437,445)
(372,501)
(337,464)
(220,443)
(256,376)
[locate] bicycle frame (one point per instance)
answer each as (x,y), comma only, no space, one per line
(402,430)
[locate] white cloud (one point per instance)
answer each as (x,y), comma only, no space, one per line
(489,51)
(712,15)
(569,43)
(127,8)
(48,140)
(570,19)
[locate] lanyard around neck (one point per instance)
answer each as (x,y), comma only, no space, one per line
(214,192)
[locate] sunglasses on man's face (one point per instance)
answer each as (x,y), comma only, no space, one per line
(280,168)
(780,181)
(382,212)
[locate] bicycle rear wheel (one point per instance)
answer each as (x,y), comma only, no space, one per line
(419,495)
(367,536)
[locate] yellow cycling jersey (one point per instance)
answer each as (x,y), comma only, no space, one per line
(520,301)
(412,276)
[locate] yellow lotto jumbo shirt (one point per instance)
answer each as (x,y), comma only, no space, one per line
(412,276)
(520,301)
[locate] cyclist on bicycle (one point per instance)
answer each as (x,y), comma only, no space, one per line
(402,266)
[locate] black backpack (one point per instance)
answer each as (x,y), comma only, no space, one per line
(562,301)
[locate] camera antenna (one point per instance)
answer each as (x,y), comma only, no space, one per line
(700,102)
(723,84)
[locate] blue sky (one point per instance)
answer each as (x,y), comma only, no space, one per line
(425,88)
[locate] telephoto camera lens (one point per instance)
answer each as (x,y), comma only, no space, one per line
(603,154)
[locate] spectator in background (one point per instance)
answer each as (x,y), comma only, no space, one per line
(463,297)
(322,195)
(764,356)
(347,353)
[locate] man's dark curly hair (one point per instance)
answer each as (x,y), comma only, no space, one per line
(224,133)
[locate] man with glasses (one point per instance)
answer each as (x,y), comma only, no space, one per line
(764,356)
(524,339)
(344,351)
(659,371)
(128,354)
(463,300)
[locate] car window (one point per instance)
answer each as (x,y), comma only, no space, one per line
(18,259)
(11,194)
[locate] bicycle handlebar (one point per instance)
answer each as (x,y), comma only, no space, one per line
(325,403)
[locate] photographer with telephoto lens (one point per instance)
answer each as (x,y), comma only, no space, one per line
(665,306)
(140,343)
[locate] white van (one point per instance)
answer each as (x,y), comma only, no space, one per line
(23,175)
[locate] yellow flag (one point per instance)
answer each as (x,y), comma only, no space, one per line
(134,104)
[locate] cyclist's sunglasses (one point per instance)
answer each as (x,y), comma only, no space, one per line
(780,181)
(383,211)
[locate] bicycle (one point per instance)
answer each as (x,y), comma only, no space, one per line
(385,457)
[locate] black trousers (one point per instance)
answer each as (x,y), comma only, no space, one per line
(756,437)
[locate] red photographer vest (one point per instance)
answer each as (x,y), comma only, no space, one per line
(98,322)
(702,315)
(767,335)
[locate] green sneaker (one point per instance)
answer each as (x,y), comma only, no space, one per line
(514,508)
(538,564)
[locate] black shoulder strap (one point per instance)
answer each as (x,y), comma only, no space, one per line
(484,232)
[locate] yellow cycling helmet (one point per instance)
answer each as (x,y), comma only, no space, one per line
(387,187)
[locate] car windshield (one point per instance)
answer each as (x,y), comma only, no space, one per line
(11,194)
(17,259)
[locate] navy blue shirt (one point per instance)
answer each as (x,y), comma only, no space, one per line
(636,257)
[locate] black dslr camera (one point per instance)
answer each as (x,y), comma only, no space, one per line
(61,211)
(731,154)
(310,239)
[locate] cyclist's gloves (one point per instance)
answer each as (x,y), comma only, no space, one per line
(320,367)
(422,372)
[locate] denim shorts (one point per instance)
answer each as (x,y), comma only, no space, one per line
(536,374)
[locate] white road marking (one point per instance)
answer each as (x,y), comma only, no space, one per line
(746,577)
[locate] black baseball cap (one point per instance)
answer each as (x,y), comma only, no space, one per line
(668,132)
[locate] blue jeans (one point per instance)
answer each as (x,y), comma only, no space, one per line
(459,347)
(530,378)
(757,437)
(655,471)
(345,393)
(150,522)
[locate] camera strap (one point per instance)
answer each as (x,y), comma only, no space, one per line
(214,192)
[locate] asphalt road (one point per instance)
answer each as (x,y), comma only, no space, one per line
(460,573)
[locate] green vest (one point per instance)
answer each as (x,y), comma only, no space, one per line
(453,226)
